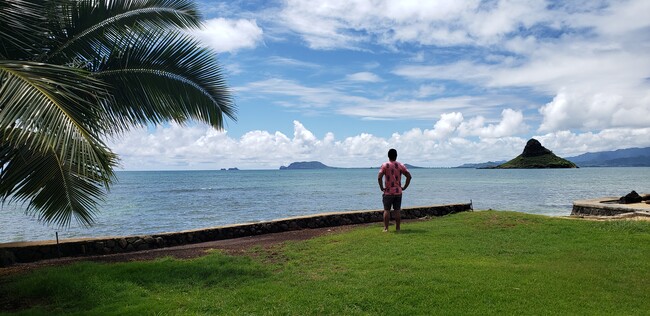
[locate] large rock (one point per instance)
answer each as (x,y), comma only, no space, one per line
(534,148)
(630,198)
(536,156)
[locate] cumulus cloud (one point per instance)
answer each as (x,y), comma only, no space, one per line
(225,35)
(512,123)
(575,110)
(450,142)
(445,126)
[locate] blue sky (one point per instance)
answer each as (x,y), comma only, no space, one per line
(443,82)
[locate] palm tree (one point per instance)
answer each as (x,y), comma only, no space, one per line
(76,72)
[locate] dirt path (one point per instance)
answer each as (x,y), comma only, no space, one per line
(232,246)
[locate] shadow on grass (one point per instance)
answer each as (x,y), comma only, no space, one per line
(408,231)
(83,285)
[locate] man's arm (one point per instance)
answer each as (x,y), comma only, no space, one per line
(381,183)
(408,180)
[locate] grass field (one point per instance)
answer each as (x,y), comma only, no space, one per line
(470,263)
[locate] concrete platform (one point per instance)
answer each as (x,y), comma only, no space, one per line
(609,206)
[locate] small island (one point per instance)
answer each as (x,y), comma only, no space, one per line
(306,165)
(536,156)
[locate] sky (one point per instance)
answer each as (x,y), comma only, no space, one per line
(444,82)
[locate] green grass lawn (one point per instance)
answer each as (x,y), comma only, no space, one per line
(469,263)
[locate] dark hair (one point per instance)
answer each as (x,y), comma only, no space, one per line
(392,154)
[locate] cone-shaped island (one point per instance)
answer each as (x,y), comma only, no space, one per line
(536,156)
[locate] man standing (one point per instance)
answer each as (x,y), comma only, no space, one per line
(392,171)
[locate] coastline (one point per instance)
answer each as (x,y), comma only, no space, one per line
(24,252)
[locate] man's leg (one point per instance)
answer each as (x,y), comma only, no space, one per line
(386,220)
(398,219)
(397,206)
(387,205)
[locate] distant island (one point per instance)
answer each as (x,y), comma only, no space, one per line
(628,157)
(304,165)
(307,165)
(482,165)
(536,156)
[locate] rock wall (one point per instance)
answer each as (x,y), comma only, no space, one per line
(21,252)
(607,206)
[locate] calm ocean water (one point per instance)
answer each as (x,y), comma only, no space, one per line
(165,201)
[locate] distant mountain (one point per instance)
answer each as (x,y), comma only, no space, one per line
(536,156)
(412,166)
(302,165)
(483,165)
(630,157)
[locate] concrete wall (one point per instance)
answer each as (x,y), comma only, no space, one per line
(11,253)
(608,206)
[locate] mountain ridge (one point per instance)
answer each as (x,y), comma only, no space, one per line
(627,157)
(624,157)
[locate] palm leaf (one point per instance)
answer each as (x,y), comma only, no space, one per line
(21,27)
(87,29)
(52,156)
(57,102)
(48,185)
(97,67)
(166,76)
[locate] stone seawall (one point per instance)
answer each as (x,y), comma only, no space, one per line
(21,252)
(607,206)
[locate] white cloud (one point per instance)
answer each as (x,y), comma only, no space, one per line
(573,110)
(284,61)
(339,24)
(511,124)
(446,126)
(421,109)
(363,77)
(450,142)
(427,90)
(566,143)
(225,35)
(459,71)
(308,97)
(597,80)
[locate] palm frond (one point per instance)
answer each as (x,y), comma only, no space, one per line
(75,71)
(166,76)
(50,188)
(49,107)
(21,27)
(88,27)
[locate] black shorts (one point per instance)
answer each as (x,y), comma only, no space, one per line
(392,200)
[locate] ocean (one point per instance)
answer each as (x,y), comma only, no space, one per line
(165,201)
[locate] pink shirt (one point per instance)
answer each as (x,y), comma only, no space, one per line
(392,172)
